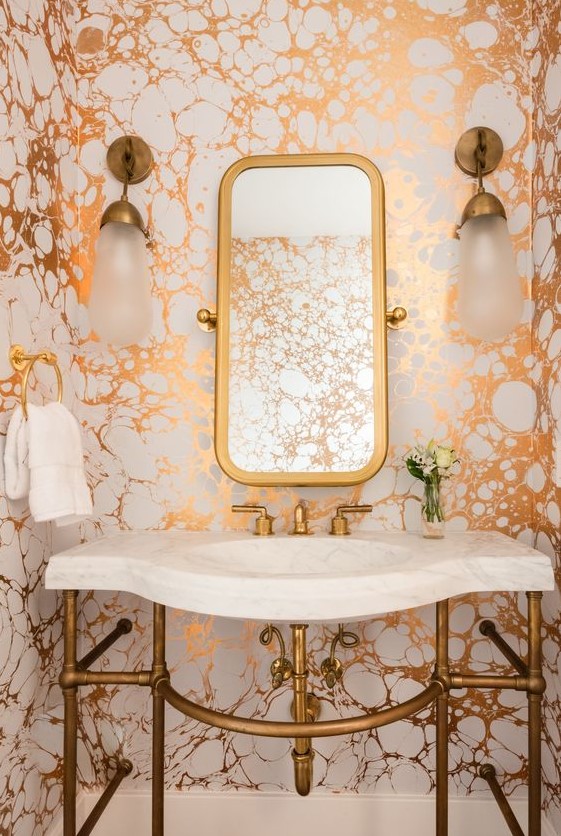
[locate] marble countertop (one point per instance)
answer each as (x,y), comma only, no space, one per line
(282,578)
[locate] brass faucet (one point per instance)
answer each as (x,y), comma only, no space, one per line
(263,523)
(301,521)
(340,524)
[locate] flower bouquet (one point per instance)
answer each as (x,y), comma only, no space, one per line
(431,464)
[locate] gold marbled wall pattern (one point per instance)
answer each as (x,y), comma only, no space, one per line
(546,70)
(206,83)
(38,141)
(398,82)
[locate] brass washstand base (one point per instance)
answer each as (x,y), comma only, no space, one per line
(529,679)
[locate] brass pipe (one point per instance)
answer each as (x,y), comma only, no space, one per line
(302,754)
(468,680)
(69,763)
(534,713)
(123,626)
(488,629)
(124,768)
(323,728)
(442,671)
(159,669)
(487,772)
(77,678)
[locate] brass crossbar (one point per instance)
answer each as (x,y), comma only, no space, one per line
(325,728)
(123,768)
(438,690)
(488,773)
(488,629)
(123,626)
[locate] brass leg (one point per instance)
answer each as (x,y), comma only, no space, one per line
(158,719)
(302,754)
(442,670)
(70,716)
(534,713)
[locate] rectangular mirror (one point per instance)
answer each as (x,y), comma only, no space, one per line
(301,380)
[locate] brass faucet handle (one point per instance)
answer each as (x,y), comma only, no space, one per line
(340,524)
(263,523)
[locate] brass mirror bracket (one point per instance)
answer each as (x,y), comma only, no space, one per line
(482,145)
(138,150)
(331,668)
(206,320)
(340,524)
(396,319)
(263,523)
(281,668)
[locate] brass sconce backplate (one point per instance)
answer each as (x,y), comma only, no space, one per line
(140,153)
(466,150)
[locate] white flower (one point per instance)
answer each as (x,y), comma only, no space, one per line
(444,457)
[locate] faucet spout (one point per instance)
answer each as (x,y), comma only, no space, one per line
(301,521)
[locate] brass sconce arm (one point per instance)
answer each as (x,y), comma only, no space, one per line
(478,152)
(130,161)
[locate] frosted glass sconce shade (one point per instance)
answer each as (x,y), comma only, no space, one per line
(120,301)
(489,292)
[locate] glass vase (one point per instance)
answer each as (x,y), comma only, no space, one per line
(432,515)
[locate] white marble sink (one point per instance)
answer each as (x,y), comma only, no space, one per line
(282,578)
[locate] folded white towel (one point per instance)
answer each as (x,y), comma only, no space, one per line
(16,470)
(57,485)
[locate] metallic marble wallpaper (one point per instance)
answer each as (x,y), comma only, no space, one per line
(397,82)
(38,145)
(206,83)
(546,183)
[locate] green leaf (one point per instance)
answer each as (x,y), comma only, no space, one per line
(414,469)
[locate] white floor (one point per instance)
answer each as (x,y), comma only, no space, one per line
(243,814)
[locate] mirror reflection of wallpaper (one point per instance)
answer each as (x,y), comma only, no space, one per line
(301,354)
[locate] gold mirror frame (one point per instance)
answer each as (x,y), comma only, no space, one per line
(301,479)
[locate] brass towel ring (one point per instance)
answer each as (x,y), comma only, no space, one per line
(23,362)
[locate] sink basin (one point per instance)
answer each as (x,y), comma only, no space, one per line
(299,579)
(297,557)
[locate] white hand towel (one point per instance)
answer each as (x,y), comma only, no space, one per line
(58,489)
(16,470)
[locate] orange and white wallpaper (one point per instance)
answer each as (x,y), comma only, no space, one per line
(546,70)
(206,83)
(38,305)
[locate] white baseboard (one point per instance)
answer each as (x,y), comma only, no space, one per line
(250,814)
(81,813)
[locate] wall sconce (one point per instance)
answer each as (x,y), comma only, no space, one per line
(120,305)
(489,293)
